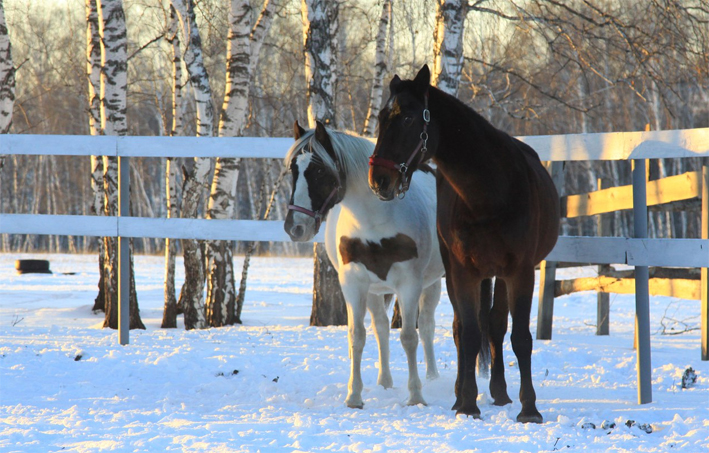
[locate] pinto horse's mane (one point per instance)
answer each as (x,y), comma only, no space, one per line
(351,151)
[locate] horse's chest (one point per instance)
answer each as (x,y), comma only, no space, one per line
(377,258)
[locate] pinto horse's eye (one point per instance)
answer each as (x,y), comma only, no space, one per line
(408,120)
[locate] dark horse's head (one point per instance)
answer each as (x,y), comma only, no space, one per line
(406,138)
(317,182)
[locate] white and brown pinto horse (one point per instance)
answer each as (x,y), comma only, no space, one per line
(377,247)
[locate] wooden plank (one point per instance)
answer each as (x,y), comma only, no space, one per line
(679,288)
(621,145)
(596,250)
(673,188)
(571,147)
(72,225)
(668,252)
(230,230)
(705,272)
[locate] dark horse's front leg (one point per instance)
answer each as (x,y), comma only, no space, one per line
(521,288)
(466,332)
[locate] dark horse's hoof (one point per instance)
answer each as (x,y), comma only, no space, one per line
(502,401)
(532,417)
(470,410)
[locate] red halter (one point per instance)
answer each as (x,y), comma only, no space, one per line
(404,166)
(317,214)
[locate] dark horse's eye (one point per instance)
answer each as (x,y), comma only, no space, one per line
(408,120)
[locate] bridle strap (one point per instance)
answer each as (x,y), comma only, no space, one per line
(420,150)
(317,215)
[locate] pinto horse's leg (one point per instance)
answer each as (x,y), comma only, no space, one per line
(427,326)
(408,301)
(521,288)
(498,329)
(380,323)
(355,298)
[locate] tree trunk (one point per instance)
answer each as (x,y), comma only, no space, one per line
(7,79)
(192,294)
(112,29)
(329,307)
(244,43)
(448,44)
(380,69)
(169,317)
(320,44)
(93,71)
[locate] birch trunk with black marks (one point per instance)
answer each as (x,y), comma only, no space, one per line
(320,45)
(196,181)
(169,316)
(243,46)
(114,78)
(93,74)
(448,44)
(221,293)
(7,80)
(380,70)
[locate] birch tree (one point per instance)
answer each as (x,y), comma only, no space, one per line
(448,44)
(7,79)
(114,79)
(169,317)
(380,69)
(197,180)
(243,46)
(93,74)
(320,24)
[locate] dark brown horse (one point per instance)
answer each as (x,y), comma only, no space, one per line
(498,216)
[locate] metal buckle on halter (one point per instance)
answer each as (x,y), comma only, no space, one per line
(426,115)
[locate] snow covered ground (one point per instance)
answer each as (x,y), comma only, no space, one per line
(275,384)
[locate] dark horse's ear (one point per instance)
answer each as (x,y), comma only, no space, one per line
(323,138)
(297,130)
(423,79)
(395,82)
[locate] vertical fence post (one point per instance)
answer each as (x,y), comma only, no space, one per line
(704,288)
(123,253)
(547,272)
(603,299)
(642,290)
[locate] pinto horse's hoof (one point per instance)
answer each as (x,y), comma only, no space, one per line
(531,417)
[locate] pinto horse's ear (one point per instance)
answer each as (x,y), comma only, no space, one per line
(323,138)
(395,82)
(297,130)
(423,79)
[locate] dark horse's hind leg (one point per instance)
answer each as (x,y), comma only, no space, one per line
(521,288)
(498,329)
(456,321)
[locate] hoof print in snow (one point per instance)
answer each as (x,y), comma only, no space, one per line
(588,425)
(689,378)
(642,427)
(607,424)
(275,379)
(78,357)
(222,374)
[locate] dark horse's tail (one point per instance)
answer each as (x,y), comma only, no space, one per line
(484,324)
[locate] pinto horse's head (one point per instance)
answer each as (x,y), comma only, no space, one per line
(317,184)
(403,141)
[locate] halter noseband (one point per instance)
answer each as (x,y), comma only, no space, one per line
(404,166)
(318,214)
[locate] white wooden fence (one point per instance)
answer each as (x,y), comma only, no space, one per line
(637,251)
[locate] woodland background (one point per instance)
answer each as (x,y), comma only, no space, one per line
(531,67)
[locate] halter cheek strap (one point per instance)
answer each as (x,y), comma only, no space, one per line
(420,151)
(317,215)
